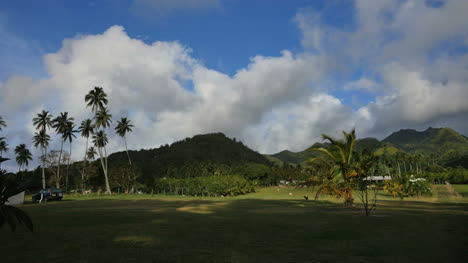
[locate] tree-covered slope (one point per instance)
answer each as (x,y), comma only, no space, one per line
(432,140)
(191,156)
(303,156)
(444,142)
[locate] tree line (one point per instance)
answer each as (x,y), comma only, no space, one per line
(65,128)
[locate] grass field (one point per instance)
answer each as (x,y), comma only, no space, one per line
(268,226)
(462,189)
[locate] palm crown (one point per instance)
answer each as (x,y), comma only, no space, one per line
(43,120)
(23,155)
(86,128)
(103,118)
(41,139)
(123,126)
(96,99)
(2,123)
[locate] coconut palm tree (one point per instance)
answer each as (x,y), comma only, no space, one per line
(42,121)
(60,124)
(124,126)
(23,156)
(341,161)
(103,119)
(91,153)
(96,99)
(86,129)
(69,135)
(3,147)
(100,140)
(42,139)
(2,123)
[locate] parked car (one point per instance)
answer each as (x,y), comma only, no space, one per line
(47,195)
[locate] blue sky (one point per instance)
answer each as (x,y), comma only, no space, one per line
(274,74)
(223,37)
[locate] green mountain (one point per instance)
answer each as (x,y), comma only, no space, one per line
(192,157)
(432,140)
(303,156)
(443,142)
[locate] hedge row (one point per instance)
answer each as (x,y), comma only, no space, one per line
(227,185)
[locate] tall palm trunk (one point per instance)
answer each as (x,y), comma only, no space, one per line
(108,191)
(44,152)
(57,181)
(126,149)
(68,165)
(84,166)
(104,167)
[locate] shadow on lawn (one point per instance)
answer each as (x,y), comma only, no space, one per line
(238,230)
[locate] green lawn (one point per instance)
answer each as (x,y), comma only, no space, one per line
(268,226)
(462,189)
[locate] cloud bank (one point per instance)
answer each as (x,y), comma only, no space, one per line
(412,57)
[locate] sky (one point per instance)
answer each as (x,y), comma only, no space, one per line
(273,74)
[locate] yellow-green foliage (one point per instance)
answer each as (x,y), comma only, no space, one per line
(206,185)
(391,150)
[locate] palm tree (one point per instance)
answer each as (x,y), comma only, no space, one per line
(2,123)
(340,159)
(3,147)
(69,135)
(42,139)
(86,129)
(23,156)
(96,99)
(103,119)
(60,124)
(43,121)
(91,153)
(100,140)
(124,126)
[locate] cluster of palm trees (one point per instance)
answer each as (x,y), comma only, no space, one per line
(23,155)
(64,126)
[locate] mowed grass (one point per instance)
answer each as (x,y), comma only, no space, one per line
(268,226)
(462,189)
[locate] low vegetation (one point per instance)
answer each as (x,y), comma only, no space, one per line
(275,224)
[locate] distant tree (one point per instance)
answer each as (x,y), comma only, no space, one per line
(2,123)
(61,125)
(42,139)
(3,148)
(91,153)
(23,156)
(52,160)
(42,121)
(97,100)
(124,126)
(68,136)
(86,129)
(100,141)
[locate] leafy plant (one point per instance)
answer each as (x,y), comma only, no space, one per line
(10,186)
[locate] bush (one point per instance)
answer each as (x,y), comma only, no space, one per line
(231,185)
(403,186)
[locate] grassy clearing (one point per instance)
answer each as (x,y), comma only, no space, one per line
(268,226)
(462,189)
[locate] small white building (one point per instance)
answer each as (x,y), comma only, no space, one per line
(378,178)
(16,199)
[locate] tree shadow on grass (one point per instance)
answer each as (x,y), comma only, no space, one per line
(238,230)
